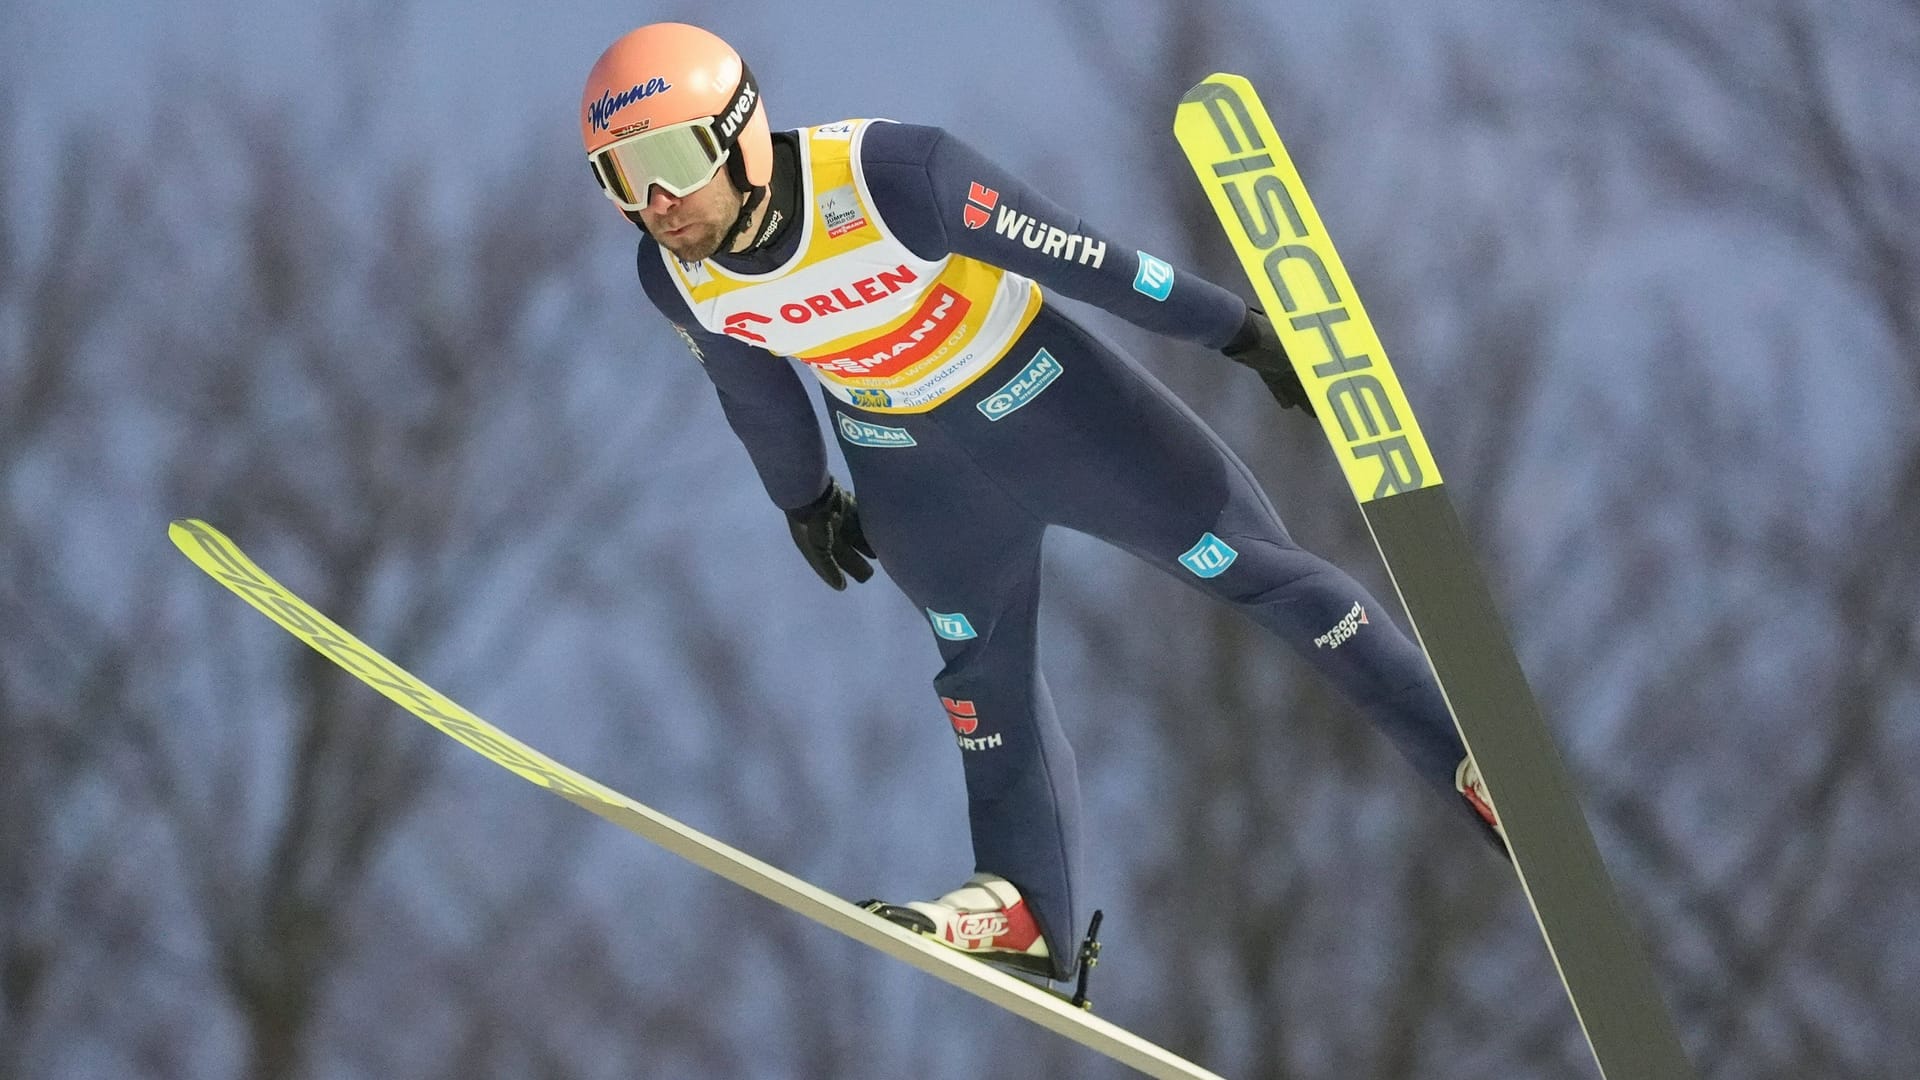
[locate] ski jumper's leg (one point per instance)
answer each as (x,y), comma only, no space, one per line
(1116,455)
(968,557)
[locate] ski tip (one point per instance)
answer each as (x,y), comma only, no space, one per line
(190,531)
(1209,87)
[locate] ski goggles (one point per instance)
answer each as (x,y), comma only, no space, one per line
(679,158)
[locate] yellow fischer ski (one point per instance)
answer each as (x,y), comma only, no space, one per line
(226,563)
(1303,286)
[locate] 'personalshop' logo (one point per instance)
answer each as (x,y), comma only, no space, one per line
(600,113)
(1024,387)
(1210,557)
(1348,626)
(861,433)
(691,344)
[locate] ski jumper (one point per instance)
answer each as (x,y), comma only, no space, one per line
(908,278)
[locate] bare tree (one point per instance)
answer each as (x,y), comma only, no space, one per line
(65,666)
(393,411)
(220,856)
(1805,148)
(1303,873)
(1800,688)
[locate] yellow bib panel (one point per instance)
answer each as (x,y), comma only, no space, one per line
(884,329)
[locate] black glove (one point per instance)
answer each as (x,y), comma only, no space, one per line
(827,532)
(1258,347)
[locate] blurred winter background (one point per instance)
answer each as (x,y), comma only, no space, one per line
(334,276)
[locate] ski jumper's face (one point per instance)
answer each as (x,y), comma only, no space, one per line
(692,226)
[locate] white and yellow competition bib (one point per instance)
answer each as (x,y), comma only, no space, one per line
(882,328)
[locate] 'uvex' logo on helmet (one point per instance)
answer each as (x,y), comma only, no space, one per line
(742,105)
(599,113)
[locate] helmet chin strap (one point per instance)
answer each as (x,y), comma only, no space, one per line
(754,199)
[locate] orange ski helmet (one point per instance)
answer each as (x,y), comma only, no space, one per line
(669,105)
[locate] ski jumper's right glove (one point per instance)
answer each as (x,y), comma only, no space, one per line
(827,531)
(1257,346)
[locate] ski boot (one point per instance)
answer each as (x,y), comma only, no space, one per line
(1466,781)
(985,918)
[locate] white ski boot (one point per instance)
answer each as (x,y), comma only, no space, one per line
(985,918)
(1466,781)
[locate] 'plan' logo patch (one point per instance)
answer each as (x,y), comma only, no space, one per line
(862,433)
(1022,388)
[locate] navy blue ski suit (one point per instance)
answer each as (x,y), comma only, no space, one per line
(1060,430)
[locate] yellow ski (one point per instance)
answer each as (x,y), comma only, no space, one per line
(226,563)
(1304,287)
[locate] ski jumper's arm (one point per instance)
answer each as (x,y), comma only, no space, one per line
(940,196)
(764,399)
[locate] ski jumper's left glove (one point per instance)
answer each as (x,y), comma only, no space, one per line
(827,531)
(1257,346)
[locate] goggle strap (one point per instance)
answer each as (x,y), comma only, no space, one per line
(732,120)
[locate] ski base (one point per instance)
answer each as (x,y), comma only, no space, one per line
(1302,284)
(214,553)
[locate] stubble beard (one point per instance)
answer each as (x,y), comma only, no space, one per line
(703,239)
(698,243)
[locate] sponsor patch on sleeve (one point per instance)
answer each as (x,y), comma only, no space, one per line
(980,203)
(1210,557)
(1047,239)
(1154,278)
(953,627)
